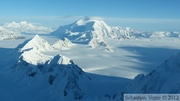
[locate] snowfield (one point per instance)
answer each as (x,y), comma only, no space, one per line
(88,61)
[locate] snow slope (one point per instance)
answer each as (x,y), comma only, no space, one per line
(6,34)
(164,79)
(25,27)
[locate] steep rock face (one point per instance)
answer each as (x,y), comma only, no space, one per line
(63,44)
(25,27)
(164,79)
(6,34)
(36,43)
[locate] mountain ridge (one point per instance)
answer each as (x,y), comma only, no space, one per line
(6,34)
(54,72)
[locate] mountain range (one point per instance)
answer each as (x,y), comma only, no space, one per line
(64,79)
(39,76)
(26,28)
(81,31)
(58,74)
(14,30)
(8,35)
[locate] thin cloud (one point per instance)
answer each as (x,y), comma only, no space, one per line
(69,16)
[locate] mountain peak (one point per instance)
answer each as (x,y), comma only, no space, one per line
(37,43)
(92,18)
(63,44)
(86,20)
(37,37)
(91,30)
(23,22)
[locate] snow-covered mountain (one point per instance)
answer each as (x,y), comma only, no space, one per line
(58,74)
(84,29)
(155,34)
(56,77)
(98,42)
(6,34)
(36,43)
(164,79)
(122,33)
(63,44)
(25,27)
(92,31)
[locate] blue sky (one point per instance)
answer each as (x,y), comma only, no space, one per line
(138,14)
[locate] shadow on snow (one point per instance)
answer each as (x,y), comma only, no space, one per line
(99,84)
(148,58)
